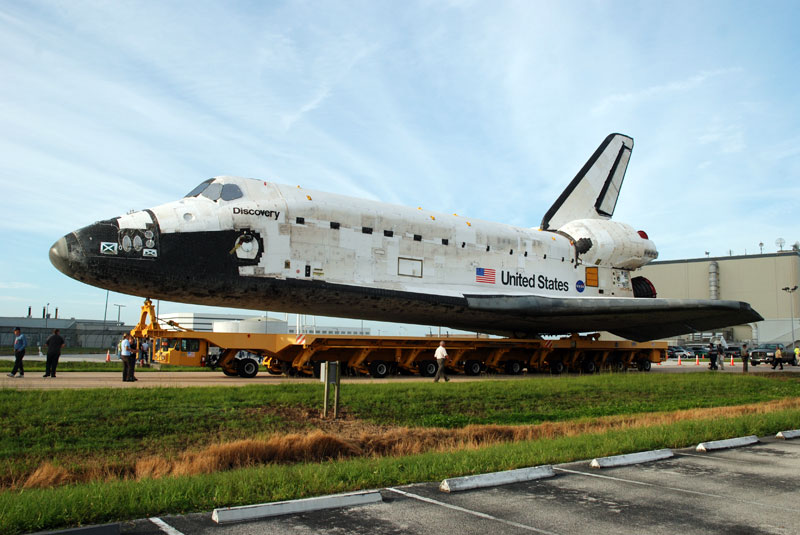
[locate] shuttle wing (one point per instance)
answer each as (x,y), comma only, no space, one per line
(632,318)
(593,192)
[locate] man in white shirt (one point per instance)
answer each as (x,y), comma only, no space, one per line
(441,358)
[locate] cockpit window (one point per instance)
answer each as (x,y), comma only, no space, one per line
(212,191)
(199,189)
(216,191)
(231,192)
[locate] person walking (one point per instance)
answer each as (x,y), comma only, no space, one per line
(441,358)
(54,344)
(777,360)
(20,343)
(721,354)
(796,355)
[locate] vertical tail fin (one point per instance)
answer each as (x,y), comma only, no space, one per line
(593,192)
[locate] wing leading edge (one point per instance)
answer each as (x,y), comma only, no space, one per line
(631,318)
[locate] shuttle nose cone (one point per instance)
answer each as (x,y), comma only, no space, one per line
(67,256)
(59,255)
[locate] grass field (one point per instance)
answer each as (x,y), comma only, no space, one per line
(137,452)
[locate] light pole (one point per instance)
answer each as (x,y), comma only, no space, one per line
(119,308)
(790,291)
(105,316)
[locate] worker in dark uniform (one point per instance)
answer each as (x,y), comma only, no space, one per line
(712,356)
(745,357)
(54,344)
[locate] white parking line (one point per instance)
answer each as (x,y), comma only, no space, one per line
(474,513)
(686,491)
(163,526)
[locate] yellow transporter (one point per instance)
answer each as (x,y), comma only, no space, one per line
(241,353)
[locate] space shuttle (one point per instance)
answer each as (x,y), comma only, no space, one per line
(253,244)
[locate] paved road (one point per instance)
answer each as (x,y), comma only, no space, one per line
(751,490)
(158,378)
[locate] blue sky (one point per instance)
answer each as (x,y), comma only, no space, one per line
(486,109)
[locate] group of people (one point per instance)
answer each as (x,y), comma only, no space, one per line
(55,342)
(716,355)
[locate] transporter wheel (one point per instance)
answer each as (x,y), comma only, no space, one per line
(248,368)
(472,367)
(617,366)
(557,367)
(589,366)
(513,367)
(317,369)
(230,373)
(794,361)
(378,369)
(644,365)
(427,368)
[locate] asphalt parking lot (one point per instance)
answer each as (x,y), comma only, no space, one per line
(749,490)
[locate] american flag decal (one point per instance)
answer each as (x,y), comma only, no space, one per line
(484,275)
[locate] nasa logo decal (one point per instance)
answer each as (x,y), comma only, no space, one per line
(580,286)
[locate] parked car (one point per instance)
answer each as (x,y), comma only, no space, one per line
(674,351)
(733,350)
(765,354)
(702,351)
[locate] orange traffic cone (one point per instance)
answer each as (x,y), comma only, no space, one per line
(108,355)
(679,360)
(697,360)
(732,364)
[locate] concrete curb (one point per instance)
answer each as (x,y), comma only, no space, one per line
(631,458)
(789,434)
(251,512)
(729,443)
(494,479)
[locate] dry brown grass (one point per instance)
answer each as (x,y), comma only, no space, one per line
(343,440)
(47,475)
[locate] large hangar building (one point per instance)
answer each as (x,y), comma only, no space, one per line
(758,279)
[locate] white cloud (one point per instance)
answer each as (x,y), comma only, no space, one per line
(633,98)
(16,286)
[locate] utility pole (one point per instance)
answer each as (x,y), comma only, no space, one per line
(790,291)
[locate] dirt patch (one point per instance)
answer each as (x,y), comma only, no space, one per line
(349,437)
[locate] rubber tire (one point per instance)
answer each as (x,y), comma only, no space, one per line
(513,367)
(317,369)
(589,366)
(617,366)
(379,369)
(230,374)
(557,367)
(427,368)
(644,365)
(472,368)
(248,368)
